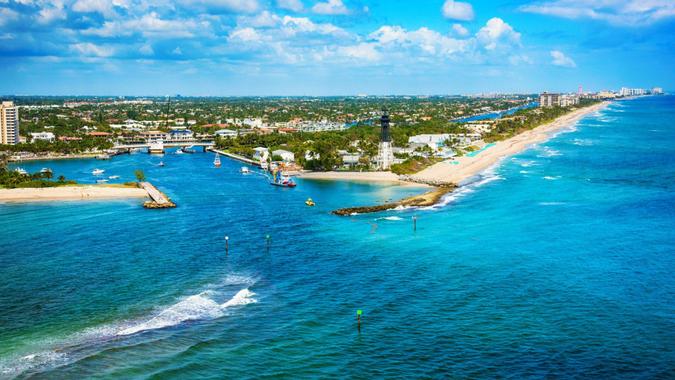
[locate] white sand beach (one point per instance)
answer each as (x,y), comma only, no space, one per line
(382,177)
(462,168)
(466,167)
(75,192)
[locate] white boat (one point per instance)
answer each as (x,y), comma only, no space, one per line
(101,180)
(244,170)
(161,163)
(114,177)
(21,171)
(216,161)
(98,171)
(46,170)
(179,151)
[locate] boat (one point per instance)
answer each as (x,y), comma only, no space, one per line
(309,202)
(216,161)
(161,163)
(98,171)
(244,170)
(187,150)
(21,171)
(179,151)
(114,177)
(45,170)
(101,180)
(281,180)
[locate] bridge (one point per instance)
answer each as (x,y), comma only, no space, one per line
(158,146)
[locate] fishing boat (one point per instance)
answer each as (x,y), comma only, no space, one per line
(216,161)
(21,171)
(98,171)
(282,180)
(244,170)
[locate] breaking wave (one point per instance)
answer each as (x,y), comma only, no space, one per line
(466,188)
(207,305)
(548,152)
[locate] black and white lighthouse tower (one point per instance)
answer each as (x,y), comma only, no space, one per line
(385,156)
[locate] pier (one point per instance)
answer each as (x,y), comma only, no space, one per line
(158,146)
(236,157)
(159,199)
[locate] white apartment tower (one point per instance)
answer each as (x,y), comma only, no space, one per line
(9,123)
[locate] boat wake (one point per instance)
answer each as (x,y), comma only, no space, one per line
(192,308)
(207,305)
(391,218)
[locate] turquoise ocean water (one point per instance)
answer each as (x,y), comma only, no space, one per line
(557,263)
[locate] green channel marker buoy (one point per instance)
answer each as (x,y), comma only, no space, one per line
(359,312)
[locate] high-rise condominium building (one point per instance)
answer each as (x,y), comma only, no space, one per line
(9,123)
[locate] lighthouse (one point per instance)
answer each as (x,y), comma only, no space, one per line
(385,156)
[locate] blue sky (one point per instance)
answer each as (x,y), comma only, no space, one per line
(333,47)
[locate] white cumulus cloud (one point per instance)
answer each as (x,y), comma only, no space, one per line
(496,31)
(560,59)
(457,10)
(331,7)
(291,5)
(460,30)
(617,12)
(88,49)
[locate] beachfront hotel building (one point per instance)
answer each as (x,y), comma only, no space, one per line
(9,123)
(549,100)
(557,100)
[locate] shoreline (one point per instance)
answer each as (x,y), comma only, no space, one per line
(365,177)
(429,198)
(71,193)
(60,157)
(455,173)
(463,168)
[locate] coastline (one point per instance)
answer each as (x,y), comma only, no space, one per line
(58,157)
(452,174)
(71,193)
(377,177)
(463,168)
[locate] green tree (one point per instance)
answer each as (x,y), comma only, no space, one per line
(140,176)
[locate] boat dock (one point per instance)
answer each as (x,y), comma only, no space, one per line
(237,157)
(159,199)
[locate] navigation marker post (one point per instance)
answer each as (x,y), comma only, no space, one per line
(267,237)
(414,219)
(359,312)
(227,245)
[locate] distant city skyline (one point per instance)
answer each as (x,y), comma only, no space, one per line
(332,47)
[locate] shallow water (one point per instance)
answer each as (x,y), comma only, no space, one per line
(558,263)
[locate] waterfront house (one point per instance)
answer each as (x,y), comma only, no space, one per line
(42,136)
(181,135)
(226,133)
(285,155)
(260,152)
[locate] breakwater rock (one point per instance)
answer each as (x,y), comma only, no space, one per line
(427,199)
